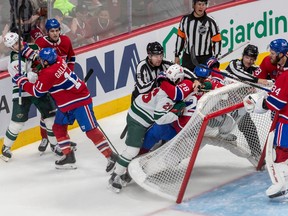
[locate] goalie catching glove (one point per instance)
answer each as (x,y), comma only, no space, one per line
(253,103)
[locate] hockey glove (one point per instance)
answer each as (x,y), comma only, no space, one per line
(20,80)
(32,77)
(178,108)
(253,103)
(29,53)
(161,76)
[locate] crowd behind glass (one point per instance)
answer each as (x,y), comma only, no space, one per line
(90,21)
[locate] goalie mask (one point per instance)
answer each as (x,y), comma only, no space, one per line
(10,39)
(175,73)
(49,55)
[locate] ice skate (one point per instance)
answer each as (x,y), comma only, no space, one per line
(111,162)
(276,190)
(56,149)
(73,146)
(6,153)
(67,161)
(115,183)
(126,178)
(43,146)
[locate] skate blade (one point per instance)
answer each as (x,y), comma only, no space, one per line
(6,159)
(66,167)
(279,194)
(115,190)
(41,153)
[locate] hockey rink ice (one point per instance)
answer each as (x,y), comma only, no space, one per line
(221,184)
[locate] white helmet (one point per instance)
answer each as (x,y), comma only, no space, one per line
(175,73)
(10,39)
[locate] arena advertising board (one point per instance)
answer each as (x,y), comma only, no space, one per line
(114,65)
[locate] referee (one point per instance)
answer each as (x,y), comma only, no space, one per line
(200,31)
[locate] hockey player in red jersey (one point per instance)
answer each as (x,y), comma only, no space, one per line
(277,101)
(74,102)
(61,43)
(63,46)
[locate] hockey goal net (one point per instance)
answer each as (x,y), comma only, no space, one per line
(220,119)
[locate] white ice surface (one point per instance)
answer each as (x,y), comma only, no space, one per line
(30,185)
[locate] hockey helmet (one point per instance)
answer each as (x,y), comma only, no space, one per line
(251,50)
(48,54)
(279,46)
(52,23)
(154,48)
(175,73)
(201,71)
(10,39)
(213,62)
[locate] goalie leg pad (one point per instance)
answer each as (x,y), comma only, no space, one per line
(280,187)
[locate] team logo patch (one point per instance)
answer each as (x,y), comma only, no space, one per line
(202,29)
(19,116)
(15,56)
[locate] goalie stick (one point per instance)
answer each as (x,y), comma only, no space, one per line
(86,78)
(225,74)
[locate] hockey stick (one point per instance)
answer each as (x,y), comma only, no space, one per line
(86,78)
(225,74)
(231,51)
(20,12)
(123,134)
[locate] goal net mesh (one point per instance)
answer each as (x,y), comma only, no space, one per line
(219,119)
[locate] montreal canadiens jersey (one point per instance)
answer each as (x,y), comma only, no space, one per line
(68,91)
(268,70)
(63,48)
(278,98)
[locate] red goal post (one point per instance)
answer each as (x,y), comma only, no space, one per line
(220,120)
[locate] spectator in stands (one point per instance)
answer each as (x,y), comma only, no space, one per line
(140,12)
(65,6)
(102,25)
(93,6)
(81,32)
(206,39)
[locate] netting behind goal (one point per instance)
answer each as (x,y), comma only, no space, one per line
(219,119)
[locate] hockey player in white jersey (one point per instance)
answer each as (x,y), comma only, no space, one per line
(146,109)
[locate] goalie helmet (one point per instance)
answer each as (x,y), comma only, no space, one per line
(10,39)
(213,63)
(48,54)
(52,23)
(201,71)
(154,48)
(279,46)
(175,73)
(251,50)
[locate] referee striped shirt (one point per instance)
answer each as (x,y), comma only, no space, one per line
(201,32)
